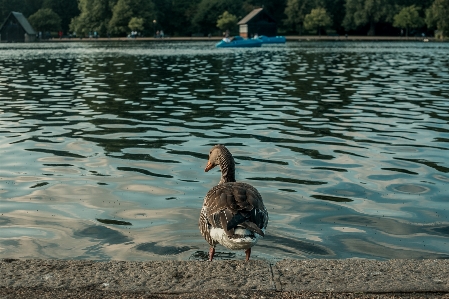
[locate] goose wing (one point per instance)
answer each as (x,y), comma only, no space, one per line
(230,205)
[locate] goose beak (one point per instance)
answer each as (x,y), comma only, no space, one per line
(209,166)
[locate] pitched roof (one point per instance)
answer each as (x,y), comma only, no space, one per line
(249,16)
(22,21)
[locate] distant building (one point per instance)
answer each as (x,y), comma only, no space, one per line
(257,22)
(16,28)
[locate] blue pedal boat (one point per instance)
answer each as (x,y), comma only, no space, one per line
(239,42)
(272,39)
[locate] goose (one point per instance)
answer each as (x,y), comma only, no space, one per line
(233,213)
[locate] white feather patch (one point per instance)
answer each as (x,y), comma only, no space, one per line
(248,241)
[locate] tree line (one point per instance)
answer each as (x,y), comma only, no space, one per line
(204,17)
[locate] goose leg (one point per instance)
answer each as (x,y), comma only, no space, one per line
(211,253)
(248,253)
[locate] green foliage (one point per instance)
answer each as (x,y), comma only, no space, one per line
(317,19)
(408,18)
(124,10)
(227,21)
(45,19)
(184,17)
(136,24)
(66,10)
(296,11)
(121,16)
(337,10)
(94,16)
(175,16)
(437,17)
(366,12)
(208,12)
(26,7)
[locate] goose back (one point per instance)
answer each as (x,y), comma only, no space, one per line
(231,205)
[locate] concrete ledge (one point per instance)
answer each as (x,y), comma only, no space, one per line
(181,279)
(367,276)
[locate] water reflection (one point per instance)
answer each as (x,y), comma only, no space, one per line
(161,250)
(103,147)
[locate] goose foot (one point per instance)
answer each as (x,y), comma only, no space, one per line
(211,253)
(248,253)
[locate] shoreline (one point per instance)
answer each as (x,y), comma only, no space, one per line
(317,278)
(217,38)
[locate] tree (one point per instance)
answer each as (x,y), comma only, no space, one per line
(366,12)
(408,18)
(337,10)
(94,16)
(296,11)
(317,19)
(45,19)
(66,10)
(186,10)
(121,16)
(227,21)
(124,10)
(26,7)
(418,3)
(208,11)
(136,24)
(437,16)
(175,16)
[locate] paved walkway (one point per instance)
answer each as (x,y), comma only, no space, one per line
(350,278)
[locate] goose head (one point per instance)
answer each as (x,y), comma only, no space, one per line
(220,155)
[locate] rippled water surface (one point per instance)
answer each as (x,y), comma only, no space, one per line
(103,147)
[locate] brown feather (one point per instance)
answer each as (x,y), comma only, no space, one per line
(222,200)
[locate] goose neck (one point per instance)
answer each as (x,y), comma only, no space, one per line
(227,167)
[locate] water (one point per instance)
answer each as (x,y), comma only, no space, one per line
(103,147)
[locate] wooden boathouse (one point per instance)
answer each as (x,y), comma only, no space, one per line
(16,28)
(259,22)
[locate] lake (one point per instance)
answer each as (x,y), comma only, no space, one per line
(103,147)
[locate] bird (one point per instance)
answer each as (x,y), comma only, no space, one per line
(233,213)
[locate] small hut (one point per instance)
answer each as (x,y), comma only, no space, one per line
(16,28)
(258,22)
